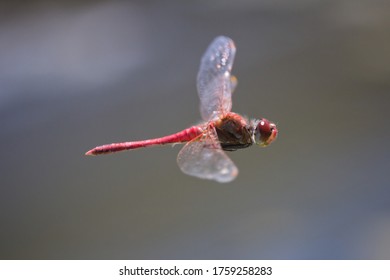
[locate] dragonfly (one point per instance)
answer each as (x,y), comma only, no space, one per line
(204,153)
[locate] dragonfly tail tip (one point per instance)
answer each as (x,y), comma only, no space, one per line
(90,153)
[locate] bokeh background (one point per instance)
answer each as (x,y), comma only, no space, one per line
(76,74)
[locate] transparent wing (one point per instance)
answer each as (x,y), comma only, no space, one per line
(214,81)
(233,83)
(205,159)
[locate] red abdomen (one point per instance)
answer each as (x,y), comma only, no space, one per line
(179,137)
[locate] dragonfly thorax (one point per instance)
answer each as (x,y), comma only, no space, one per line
(233,132)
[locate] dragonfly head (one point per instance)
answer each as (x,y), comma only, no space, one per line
(265,132)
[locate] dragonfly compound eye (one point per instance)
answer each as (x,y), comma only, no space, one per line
(265,133)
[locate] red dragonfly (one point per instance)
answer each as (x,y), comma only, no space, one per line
(203,155)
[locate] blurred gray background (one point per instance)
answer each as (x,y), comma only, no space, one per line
(77,74)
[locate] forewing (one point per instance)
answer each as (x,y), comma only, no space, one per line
(205,159)
(214,81)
